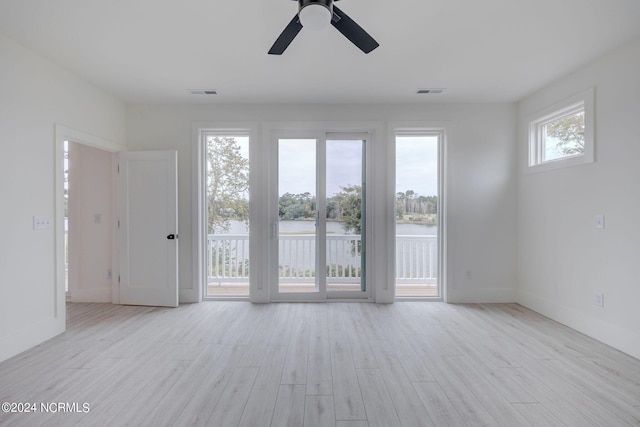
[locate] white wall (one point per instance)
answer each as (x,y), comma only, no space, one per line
(562,258)
(481,169)
(35,95)
(91,218)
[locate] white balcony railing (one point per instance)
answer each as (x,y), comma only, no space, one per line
(228,258)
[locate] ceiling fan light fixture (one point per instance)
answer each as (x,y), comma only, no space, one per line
(315,15)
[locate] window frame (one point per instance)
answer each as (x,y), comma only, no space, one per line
(200,131)
(583,101)
(440,132)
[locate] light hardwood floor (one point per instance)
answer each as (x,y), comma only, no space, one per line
(337,364)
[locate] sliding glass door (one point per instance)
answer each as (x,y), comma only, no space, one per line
(320,226)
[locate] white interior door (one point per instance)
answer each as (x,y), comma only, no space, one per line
(148,228)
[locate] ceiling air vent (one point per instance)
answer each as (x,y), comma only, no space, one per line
(429,91)
(203,92)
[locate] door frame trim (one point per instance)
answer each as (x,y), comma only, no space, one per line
(377,182)
(199,211)
(422,128)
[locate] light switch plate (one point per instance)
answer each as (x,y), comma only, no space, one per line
(598,221)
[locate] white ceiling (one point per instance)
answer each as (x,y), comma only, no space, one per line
(154,51)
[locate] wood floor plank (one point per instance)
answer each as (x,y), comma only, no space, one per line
(537,415)
(363,357)
(414,366)
(259,339)
(296,363)
(461,397)
(377,402)
(178,397)
(487,364)
(152,393)
(352,424)
(319,412)
(440,409)
(229,408)
(607,371)
(553,399)
(319,377)
(283,326)
(205,398)
(474,375)
(262,400)
(290,409)
(619,395)
(599,404)
(409,407)
(346,389)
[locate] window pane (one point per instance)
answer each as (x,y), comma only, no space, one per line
(345,215)
(227,184)
(564,137)
(297,214)
(416,212)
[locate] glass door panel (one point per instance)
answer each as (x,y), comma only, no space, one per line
(417,217)
(345,219)
(320,227)
(297,215)
(227,204)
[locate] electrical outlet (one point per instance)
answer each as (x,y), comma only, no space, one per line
(468,274)
(598,222)
(598,299)
(109,274)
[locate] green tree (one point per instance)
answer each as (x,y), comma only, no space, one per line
(409,200)
(348,203)
(568,134)
(227,183)
(296,206)
(400,204)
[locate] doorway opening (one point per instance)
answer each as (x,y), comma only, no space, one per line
(85,229)
(89,215)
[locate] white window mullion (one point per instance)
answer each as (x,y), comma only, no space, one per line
(321,217)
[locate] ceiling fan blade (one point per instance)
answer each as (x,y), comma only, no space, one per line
(286,37)
(353,31)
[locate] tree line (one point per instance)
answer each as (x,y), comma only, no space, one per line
(411,203)
(228,195)
(344,206)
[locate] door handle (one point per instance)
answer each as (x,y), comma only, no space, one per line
(172,236)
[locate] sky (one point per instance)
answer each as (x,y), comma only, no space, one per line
(416,165)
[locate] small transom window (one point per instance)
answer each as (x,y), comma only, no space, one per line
(563,134)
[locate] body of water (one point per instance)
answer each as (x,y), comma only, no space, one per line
(333,227)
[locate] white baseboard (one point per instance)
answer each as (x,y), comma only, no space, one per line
(623,339)
(486,295)
(91,295)
(188,296)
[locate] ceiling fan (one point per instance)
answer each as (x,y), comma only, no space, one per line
(317,14)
